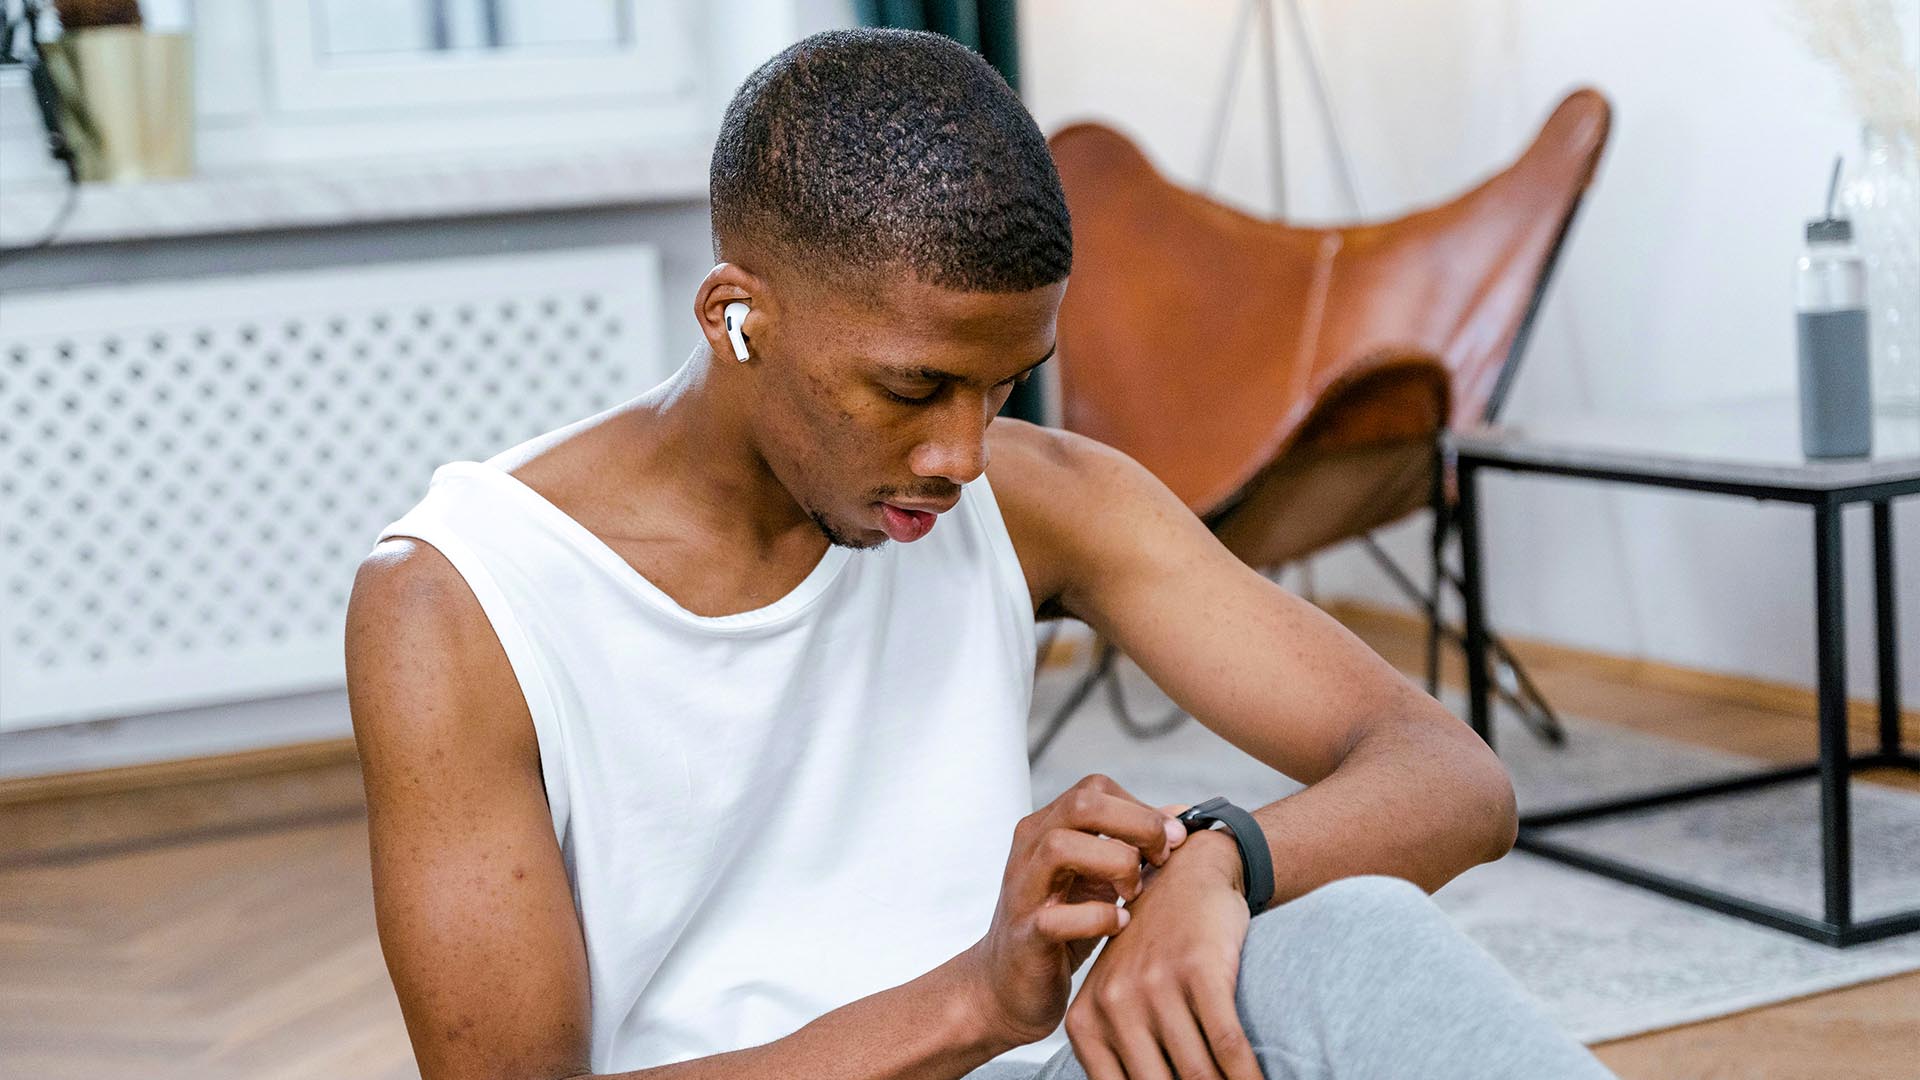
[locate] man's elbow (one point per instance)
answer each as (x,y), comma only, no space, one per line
(1506,828)
(1484,817)
(1492,797)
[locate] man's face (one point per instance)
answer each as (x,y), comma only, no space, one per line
(830,403)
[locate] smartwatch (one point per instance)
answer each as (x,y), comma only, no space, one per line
(1256,861)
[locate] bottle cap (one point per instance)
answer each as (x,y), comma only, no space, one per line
(1830,231)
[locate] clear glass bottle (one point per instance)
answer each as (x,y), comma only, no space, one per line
(1836,375)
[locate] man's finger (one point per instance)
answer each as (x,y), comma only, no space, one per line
(1079,922)
(1226,1038)
(1098,1059)
(1138,1044)
(1181,1041)
(1063,852)
(1120,816)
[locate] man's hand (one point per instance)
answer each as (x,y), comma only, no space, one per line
(1159,1002)
(1070,864)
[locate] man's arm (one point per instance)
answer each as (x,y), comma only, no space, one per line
(1396,784)
(474,912)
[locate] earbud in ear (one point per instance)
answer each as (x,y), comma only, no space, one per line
(736,318)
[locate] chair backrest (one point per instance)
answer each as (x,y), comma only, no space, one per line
(1197,338)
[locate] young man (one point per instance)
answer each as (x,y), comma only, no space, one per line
(677,768)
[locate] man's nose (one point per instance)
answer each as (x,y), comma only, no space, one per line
(957,451)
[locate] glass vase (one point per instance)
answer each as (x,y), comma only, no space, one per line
(1884,202)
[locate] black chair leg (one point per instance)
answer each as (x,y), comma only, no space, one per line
(1437,555)
(1524,696)
(1102,664)
(1122,715)
(1105,669)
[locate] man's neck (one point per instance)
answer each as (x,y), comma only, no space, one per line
(692,443)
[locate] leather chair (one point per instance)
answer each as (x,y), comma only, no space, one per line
(1289,383)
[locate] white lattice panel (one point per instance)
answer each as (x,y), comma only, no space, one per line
(191,472)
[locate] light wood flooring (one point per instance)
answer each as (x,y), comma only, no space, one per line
(245,946)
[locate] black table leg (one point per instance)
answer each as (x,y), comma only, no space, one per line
(1830,628)
(1478,715)
(1887,618)
(1437,553)
(1833,769)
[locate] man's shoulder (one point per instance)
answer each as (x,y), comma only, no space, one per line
(425,673)
(411,614)
(406,577)
(1057,474)
(1026,454)
(1064,497)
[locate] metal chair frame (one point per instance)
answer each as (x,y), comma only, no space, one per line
(1511,683)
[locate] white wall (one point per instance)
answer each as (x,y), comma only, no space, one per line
(1675,288)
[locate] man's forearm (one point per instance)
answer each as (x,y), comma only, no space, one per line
(931,1028)
(1424,805)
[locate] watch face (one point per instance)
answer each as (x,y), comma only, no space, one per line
(1200,809)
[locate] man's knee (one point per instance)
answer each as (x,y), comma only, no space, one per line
(1320,954)
(1352,905)
(1356,902)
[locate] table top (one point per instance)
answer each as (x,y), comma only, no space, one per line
(1752,442)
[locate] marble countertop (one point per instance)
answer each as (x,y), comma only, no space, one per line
(1751,440)
(335,193)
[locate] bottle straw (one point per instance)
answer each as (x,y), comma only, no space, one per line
(1833,185)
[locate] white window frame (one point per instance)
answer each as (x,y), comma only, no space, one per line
(264,102)
(654,66)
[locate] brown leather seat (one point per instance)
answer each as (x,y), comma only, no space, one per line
(1287,383)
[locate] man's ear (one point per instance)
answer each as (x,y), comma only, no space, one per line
(725,284)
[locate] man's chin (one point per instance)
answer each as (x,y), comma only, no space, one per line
(857,539)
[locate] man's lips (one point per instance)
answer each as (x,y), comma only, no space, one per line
(904,525)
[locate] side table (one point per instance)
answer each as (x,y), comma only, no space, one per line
(1746,448)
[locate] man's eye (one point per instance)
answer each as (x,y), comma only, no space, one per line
(903,399)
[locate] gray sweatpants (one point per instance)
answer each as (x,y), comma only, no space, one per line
(1365,979)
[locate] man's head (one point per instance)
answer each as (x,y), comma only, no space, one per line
(891,213)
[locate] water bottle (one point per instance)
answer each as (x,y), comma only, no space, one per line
(1836,388)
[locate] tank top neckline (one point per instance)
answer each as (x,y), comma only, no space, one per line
(811,587)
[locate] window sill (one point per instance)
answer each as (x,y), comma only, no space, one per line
(357,192)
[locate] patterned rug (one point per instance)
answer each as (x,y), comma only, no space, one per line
(1605,959)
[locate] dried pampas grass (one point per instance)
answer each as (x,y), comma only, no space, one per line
(1863,41)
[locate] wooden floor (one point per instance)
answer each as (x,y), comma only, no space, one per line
(249,950)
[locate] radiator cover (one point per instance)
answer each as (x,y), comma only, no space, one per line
(190,472)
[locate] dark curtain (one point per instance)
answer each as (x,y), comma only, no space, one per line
(989,28)
(986,26)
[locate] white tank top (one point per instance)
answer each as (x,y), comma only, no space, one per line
(764,815)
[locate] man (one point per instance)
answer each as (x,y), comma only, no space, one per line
(677,767)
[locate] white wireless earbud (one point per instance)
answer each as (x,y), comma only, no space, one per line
(737,318)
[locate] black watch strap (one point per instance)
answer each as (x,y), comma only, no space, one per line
(1256,860)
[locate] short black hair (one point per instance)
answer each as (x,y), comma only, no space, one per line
(859,151)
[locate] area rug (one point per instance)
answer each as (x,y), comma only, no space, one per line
(1604,959)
